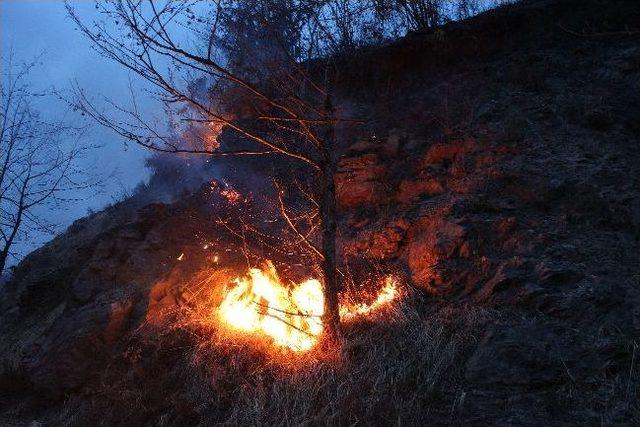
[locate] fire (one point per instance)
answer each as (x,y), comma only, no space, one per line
(291,316)
(261,304)
(226,191)
(231,195)
(387,294)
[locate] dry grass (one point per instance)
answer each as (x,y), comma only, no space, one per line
(402,365)
(389,368)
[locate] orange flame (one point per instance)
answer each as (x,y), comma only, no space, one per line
(260,303)
(290,316)
(387,294)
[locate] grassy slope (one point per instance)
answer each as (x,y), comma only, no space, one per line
(554,336)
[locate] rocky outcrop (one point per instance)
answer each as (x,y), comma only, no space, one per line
(360,181)
(424,185)
(378,242)
(431,241)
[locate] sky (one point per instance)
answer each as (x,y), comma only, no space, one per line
(33,27)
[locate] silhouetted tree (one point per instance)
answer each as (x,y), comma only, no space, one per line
(39,166)
(261,95)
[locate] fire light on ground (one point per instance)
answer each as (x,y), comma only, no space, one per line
(291,316)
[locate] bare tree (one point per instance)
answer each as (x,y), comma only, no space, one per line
(39,167)
(466,8)
(421,14)
(342,26)
(416,15)
(282,110)
(343,16)
(413,15)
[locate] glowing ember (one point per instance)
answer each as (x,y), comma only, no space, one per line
(290,316)
(231,195)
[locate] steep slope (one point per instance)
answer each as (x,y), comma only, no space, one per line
(499,173)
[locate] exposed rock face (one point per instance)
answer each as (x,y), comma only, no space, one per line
(424,185)
(424,234)
(122,270)
(432,241)
(534,214)
(379,244)
(360,181)
(106,293)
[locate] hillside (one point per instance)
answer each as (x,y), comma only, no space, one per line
(498,175)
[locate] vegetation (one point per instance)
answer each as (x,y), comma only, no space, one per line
(40,167)
(496,176)
(403,361)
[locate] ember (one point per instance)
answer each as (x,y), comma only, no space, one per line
(291,316)
(231,195)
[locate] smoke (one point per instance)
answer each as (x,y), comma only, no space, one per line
(174,176)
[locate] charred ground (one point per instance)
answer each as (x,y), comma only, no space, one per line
(499,172)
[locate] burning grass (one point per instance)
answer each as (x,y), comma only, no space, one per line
(393,359)
(403,360)
(261,306)
(382,370)
(260,303)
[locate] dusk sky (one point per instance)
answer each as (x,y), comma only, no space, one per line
(31,28)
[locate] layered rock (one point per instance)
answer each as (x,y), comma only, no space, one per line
(360,181)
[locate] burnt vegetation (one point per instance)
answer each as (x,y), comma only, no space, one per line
(491,163)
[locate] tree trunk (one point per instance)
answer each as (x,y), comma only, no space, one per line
(328,219)
(329,264)
(3,258)
(16,226)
